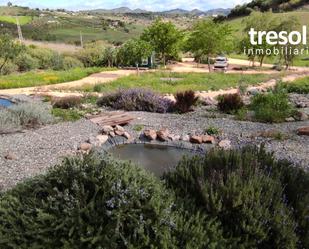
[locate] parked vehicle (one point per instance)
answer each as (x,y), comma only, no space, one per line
(221,63)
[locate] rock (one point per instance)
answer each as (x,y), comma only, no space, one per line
(301,116)
(112,134)
(185,138)
(253,91)
(101,139)
(209,101)
(290,119)
(85,147)
(174,137)
(119,128)
(303,131)
(119,133)
(150,134)
(208,139)
(196,139)
(107,129)
(10,156)
(162,134)
(127,135)
(225,144)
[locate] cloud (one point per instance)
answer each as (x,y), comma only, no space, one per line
(133,4)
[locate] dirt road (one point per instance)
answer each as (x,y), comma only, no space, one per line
(65,89)
(60,89)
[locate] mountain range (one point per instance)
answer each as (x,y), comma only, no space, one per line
(196,12)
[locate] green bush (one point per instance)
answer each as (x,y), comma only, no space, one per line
(48,59)
(229,103)
(225,199)
(9,68)
(26,62)
(272,107)
(92,55)
(299,86)
(95,203)
(71,62)
(257,201)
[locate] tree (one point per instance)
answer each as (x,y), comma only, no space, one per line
(165,39)
(9,50)
(133,52)
(289,24)
(209,38)
(259,22)
(9,4)
(110,56)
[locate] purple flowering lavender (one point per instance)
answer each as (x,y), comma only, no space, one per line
(140,99)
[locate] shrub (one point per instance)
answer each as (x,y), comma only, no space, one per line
(96,203)
(27,115)
(66,102)
(98,88)
(9,68)
(9,121)
(211,130)
(32,114)
(257,201)
(92,55)
(108,100)
(26,62)
(48,59)
(230,103)
(136,100)
(300,86)
(185,101)
(71,62)
(272,107)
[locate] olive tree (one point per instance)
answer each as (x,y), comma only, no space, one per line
(259,22)
(133,52)
(209,38)
(165,39)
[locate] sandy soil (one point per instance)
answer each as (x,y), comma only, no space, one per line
(65,89)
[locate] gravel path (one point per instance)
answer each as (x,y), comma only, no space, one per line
(37,150)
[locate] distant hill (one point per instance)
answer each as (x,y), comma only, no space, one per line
(275,6)
(194,12)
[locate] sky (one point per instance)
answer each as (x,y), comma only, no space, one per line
(152,5)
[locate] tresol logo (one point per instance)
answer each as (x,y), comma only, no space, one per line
(278,38)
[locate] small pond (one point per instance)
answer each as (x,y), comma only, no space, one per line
(154,158)
(5,102)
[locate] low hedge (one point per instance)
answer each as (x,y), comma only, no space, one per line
(225,199)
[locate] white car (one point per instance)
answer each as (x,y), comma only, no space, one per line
(221,63)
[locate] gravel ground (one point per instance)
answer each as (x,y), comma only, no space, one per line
(37,150)
(295,148)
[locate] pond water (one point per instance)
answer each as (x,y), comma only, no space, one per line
(5,102)
(154,158)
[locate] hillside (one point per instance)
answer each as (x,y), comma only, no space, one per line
(301,14)
(267,5)
(194,12)
(66,26)
(114,26)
